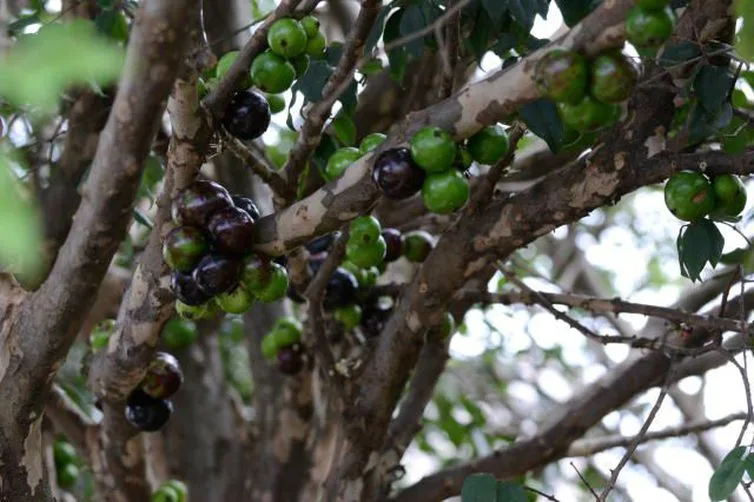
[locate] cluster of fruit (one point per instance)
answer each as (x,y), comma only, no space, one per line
(434,164)
(171,490)
(209,253)
(66,463)
(148,407)
(347,155)
(649,24)
(587,93)
(691,196)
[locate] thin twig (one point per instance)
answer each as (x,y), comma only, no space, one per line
(584,480)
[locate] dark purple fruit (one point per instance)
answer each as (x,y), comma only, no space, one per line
(397,175)
(147,413)
(232,230)
(217,274)
(186,290)
(247,116)
(196,203)
(394,242)
(164,376)
(315,262)
(183,247)
(321,243)
(290,360)
(374,315)
(294,295)
(247,205)
(340,290)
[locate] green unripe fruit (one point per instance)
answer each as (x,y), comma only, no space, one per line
(289,330)
(648,28)
(310,25)
(68,474)
(202,88)
(271,73)
(183,247)
(489,145)
(417,245)
(180,488)
(463,158)
(444,193)
(433,149)
(689,195)
(652,4)
(237,301)
(179,333)
(287,38)
(277,285)
(339,162)
(317,45)
(371,141)
(349,316)
(224,64)
(588,115)
(99,340)
(562,76)
(194,312)
(269,346)
(730,195)
(300,64)
(276,102)
(364,229)
(166,494)
(613,77)
(368,254)
(64,453)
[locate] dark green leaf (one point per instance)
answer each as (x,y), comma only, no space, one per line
(703,125)
(509,491)
(505,42)
(735,257)
(523,11)
(749,465)
(675,53)
(693,250)
(376,33)
(326,148)
(412,21)
(712,85)
(479,39)
(575,10)
(479,488)
(348,98)
(17,26)
(334,53)
(397,57)
(345,130)
(314,80)
(112,23)
(717,242)
(728,475)
(495,9)
(142,218)
(541,117)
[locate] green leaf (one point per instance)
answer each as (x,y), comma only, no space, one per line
(478,40)
(693,250)
(716,242)
(542,118)
(703,125)
(345,130)
(745,44)
(397,57)
(509,491)
(479,488)
(495,9)
(523,11)
(260,8)
(112,23)
(20,226)
(574,11)
(41,66)
(712,85)
(412,21)
(376,32)
(728,475)
(314,80)
(678,52)
(735,257)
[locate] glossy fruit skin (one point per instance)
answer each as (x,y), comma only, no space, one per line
(612,77)
(163,378)
(317,45)
(349,316)
(180,488)
(271,73)
(433,149)
(339,162)
(367,254)
(287,331)
(68,474)
(730,195)
(147,413)
(178,333)
(397,175)
(364,229)
(689,195)
(588,115)
(217,274)
(194,205)
(237,301)
(183,247)
(340,290)
(417,245)
(256,273)
(463,159)
(289,360)
(248,115)
(269,346)
(321,243)
(186,289)
(247,205)
(166,494)
(232,231)
(286,37)
(224,64)
(310,25)
(64,452)
(444,193)
(394,241)
(276,102)
(489,145)
(562,76)
(371,141)
(194,312)
(648,29)
(276,286)
(300,64)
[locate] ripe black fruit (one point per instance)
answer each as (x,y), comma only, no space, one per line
(147,413)
(373,317)
(164,376)
(247,116)
(186,290)
(394,244)
(247,205)
(290,360)
(397,175)
(217,274)
(340,290)
(194,205)
(232,230)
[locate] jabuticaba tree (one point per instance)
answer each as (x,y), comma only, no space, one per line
(253,234)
